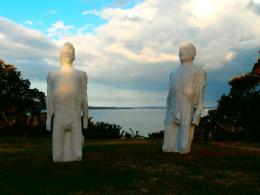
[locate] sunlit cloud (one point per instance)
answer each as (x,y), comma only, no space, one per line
(230,56)
(137,48)
(29,22)
(91,12)
(59,29)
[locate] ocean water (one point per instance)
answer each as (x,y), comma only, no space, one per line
(144,120)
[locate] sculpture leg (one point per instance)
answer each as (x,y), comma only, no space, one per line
(185,139)
(76,142)
(57,142)
(170,135)
(67,152)
(191,135)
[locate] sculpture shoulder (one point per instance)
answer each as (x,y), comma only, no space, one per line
(51,75)
(200,71)
(83,75)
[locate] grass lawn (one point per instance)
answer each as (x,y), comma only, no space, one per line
(129,167)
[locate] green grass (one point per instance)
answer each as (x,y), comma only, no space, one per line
(129,167)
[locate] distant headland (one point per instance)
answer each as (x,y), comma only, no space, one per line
(120,108)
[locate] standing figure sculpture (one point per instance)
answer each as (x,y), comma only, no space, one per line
(66,101)
(184,102)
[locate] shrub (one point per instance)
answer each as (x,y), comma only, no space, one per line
(156,135)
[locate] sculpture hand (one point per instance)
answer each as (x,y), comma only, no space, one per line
(85,122)
(195,123)
(177,122)
(48,124)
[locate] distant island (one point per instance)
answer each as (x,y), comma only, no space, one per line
(126,108)
(144,107)
(117,108)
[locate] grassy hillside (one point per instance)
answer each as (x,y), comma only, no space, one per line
(129,167)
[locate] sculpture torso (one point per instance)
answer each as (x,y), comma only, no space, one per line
(184,83)
(66,94)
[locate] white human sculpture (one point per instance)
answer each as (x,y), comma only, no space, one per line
(66,101)
(184,102)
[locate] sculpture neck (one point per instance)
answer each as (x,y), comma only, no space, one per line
(66,67)
(66,60)
(189,63)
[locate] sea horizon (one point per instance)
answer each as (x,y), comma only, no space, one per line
(137,107)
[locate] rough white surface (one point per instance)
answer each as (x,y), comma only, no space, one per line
(184,102)
(66,101)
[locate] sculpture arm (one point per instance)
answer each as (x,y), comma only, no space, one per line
(168,104)
(200,98)
(49,102)
(84,100)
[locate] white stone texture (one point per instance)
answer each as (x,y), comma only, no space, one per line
(66,101)
(184,102)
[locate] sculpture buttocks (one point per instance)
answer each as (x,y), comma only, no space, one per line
(184,102)
(66,100)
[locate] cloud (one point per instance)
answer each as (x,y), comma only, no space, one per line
(254,5)
(30,50)
(59,29)
(29,22)
(134,52)
(111,96)
(230,55)
(138,47)
(119,3)
(91,12)
(21,43)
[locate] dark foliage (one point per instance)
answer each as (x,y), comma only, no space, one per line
(19,130)
(96,130)
(17,99)
(238,113)
(131,134)
(156,135)
(101,130)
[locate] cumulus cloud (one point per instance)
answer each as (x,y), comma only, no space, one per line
(29,49)
(254,6)
(59,29)
(21,43)
(143,41)
(134,52)
(120,2)
(91,12)
(152,30)
(230,56)
(29,22)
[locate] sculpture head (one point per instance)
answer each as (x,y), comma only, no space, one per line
(67,54)
(187,52)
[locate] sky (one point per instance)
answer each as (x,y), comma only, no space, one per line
(129,47)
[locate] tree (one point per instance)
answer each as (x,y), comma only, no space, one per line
(16,97)
(240,109)
(238,113)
